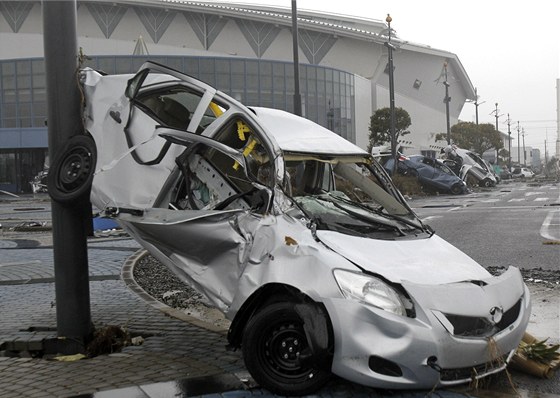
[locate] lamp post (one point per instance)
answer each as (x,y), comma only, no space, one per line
(390,48)
(447,99)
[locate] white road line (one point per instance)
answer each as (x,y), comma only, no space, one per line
(540,199)
(546,231)
(517,200)
(430,218)
(534,193)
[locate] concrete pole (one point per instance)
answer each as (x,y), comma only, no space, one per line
(295,45)
(70,223)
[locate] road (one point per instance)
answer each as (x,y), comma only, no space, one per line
(515,223)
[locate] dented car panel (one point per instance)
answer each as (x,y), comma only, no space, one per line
(296,235)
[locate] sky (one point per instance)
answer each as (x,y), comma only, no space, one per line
(509,49)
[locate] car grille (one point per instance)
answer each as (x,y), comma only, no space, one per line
(473,372)
(468,326)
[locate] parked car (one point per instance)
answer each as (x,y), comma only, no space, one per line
(298,236)
(503,172)
(432,174)
(469,166)
(522,172)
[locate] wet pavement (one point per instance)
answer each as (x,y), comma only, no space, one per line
(180,357)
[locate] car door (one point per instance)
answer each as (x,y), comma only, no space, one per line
(128,140)
(203,227)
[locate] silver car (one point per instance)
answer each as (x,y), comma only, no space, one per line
(298,236)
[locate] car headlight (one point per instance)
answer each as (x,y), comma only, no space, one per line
(369,290)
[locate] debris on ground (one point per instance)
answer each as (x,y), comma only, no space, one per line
(536,358)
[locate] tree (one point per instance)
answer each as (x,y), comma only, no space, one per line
(476,137)
(504,155)
(380,126)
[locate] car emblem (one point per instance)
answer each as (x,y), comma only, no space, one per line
(496,313)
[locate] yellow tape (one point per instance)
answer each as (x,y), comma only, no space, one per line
(215,109)
(246,151)
(242,128)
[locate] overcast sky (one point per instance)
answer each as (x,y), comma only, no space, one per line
(510,50)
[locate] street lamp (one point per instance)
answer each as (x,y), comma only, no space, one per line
(390,48)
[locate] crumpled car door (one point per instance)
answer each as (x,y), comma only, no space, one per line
(209,247)
(127,139)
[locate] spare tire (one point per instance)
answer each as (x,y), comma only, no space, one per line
(71,172)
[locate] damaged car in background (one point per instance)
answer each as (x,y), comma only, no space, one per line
(298,236)
(432,174)
(469,166)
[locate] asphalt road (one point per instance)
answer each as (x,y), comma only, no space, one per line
(516,223)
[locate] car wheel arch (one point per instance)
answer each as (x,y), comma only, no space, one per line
(266,295)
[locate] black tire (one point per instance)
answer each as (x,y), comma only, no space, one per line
(274,343)
(471,181)
(486,183)
(71,172)
(456,189)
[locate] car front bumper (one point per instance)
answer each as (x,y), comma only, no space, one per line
(380,349)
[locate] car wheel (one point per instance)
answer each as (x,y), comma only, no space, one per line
(456,189)
(471,181)
(71,172)
(486,183)
(277,353)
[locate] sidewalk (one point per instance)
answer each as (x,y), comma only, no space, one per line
(180,357)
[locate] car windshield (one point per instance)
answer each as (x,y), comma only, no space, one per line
(351,198)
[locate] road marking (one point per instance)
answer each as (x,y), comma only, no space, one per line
(540,199)
(430,218)
(517,200)
(546,230)
(490,200)
(533,193)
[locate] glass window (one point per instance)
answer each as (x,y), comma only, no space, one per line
(7,168)
(107,65)
(123,65)
(174,63)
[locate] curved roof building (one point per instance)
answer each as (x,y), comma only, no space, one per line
(244,50)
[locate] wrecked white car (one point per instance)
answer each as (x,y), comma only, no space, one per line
(297,235)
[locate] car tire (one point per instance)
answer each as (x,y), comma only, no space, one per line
(71,172)
(277,353)
(486,183)
(457,189)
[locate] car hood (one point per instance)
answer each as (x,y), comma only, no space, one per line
(424,261)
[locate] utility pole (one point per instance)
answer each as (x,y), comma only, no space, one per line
(476,105)
(518,145)
(509,142)
(390,48)
(73,315)
(497,116)
(295,45)
(447,99)
(524,152)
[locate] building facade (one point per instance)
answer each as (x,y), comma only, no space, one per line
(245,51)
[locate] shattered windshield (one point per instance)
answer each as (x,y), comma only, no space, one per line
(350,198)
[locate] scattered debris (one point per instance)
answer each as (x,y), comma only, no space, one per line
(110,339)
(536,358)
